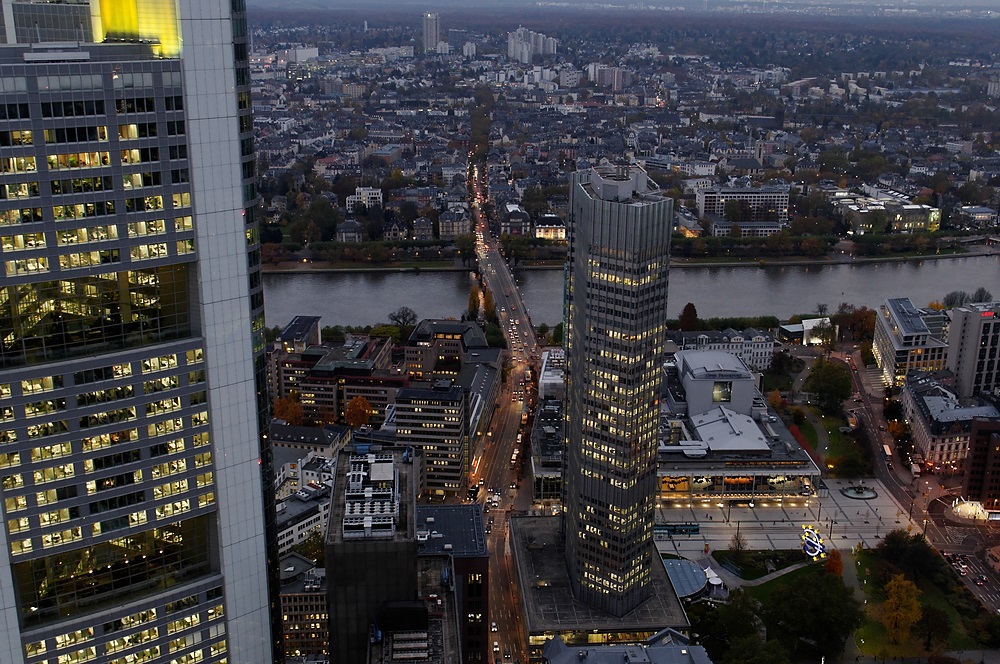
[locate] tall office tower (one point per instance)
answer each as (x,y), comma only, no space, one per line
(974,348)
(432,32)
(131,348)
(616,315)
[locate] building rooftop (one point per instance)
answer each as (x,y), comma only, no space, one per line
(456,530)
(711,364)
(298,329)
(372,498)
(725,431)
(906,316)
(298,574)
(471,334)
(669,648)
(547,597)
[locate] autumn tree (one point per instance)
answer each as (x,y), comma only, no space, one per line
(689,318)
(358,412)
(489,306)
(288,409)
(834,563)
(474,303)
(901,609)
(774,399)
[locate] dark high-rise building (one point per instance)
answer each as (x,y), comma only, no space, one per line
(982,466)
(132,373)
(615,314)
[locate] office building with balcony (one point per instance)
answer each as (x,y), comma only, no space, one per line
(139,521)
(907,339)
(616,320)
(974,348)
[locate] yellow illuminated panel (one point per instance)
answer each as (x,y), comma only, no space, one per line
(148,20)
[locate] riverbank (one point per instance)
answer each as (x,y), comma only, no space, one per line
(320,267)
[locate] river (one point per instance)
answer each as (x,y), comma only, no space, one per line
(363,298)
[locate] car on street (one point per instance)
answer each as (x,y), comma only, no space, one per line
(493,626)
(981,580)
(496,646)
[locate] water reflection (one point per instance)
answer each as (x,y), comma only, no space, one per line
(368,298)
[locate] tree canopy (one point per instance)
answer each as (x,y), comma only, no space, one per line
(830,382)
(358,412)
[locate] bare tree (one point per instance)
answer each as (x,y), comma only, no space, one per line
(738,542)
(403,317)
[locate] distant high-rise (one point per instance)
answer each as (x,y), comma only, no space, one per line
(432,32)
(132,371)
(616,316)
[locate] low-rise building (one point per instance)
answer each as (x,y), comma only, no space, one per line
(754,347)
(369,197)
(940,424)
(302,514)
(769,203)
(552,377)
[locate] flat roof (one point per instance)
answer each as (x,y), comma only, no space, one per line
(298,328)
(547,598)
(726,431)
(708,363)
(459,527)
(907,316)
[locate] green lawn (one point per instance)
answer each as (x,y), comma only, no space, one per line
(773,590)
(754,562)
(809,432)
(871,636)
(773,382)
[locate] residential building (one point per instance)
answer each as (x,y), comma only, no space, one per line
(904,342)
(974,348)
(304,512)
(435,422)
(431,32)
(369,197)
(423,229)
(769,203)
(524,44)
(453,223)
(754,347)
(132,362)
(616,321)
(940,424)
(350,231)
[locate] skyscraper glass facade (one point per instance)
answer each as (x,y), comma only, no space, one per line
(132,375)
(616,314)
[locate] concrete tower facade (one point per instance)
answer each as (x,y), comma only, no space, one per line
(432,32)
(615,318)
(132,373)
